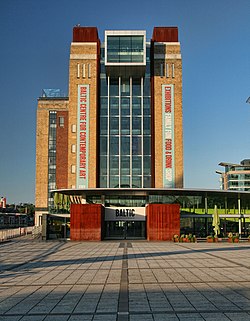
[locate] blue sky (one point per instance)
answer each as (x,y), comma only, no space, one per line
(35,40)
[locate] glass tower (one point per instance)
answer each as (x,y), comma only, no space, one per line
(125,117)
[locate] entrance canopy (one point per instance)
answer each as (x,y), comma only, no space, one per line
(187,198)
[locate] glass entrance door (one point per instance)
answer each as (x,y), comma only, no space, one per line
(122,230)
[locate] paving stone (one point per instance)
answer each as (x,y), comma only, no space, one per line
(165,281)
(238,316)
(215,316)
(166,317)
(33,318)
(10,318)
(141,317)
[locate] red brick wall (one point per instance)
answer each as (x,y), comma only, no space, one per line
(62,151)
(86,222)
(163,221)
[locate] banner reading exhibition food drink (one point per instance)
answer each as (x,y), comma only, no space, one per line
(168,135)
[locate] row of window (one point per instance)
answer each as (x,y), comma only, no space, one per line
(167,70)
(52,155)
(83,70)
(239,177)
(125,126)
(126,165)
(125,86)
(124,145)
(124,110)
(125,181)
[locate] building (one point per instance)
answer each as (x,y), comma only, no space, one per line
(3,202)
(121,125)
(112,151)
(235,176)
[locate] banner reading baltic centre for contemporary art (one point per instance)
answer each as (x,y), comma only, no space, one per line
(82,136)
(168,135)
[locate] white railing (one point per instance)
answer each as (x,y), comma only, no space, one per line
(15,232)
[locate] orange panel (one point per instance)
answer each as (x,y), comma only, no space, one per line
(86,222)
(165,34)
(163,221)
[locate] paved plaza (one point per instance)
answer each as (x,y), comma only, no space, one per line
(124,280)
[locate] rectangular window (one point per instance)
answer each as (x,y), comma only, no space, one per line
(167,71)
(83,71)
(136,106)
(114,106)
(125,87)
(114,87)
(61,121)
(125,145)
(125,165)
(114,125)
(161,70)
(78,70)
(114,145)
(125,106)
(137,165)
(136,181)
(89,70)
(136,145)
(73,128)
(114,165)
(103,165)
(103,125)
(125,126)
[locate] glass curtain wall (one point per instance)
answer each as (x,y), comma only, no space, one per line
(52,157)
(125,150)
(125,49)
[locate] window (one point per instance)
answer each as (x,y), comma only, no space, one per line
(73,128)
(61,121)
(125,49)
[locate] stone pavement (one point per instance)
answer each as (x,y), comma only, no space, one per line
(124,281)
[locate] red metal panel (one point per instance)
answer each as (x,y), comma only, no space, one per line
(165,34)
(85,34)
(86,222)
(163,221)
(75,220)
(62,151)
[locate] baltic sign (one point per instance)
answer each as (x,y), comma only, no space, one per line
(125,214)
(82,136)
(168,135)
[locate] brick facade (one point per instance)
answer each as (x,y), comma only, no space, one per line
(84,70)
(42,150)
(167,54)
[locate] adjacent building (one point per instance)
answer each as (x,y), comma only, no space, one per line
(235,176)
